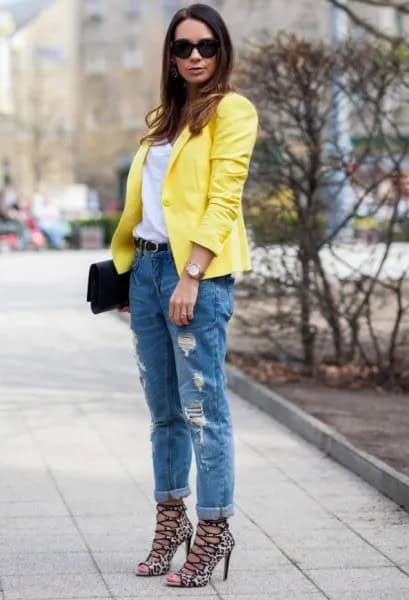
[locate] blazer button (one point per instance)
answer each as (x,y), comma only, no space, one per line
(166,202)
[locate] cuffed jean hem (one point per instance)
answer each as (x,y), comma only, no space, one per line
(172,494)
(224,512)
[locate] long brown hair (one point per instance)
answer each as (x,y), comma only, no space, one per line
(164,120)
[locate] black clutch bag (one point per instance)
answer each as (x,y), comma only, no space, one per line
(106,289)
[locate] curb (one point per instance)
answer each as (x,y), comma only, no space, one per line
(386,479)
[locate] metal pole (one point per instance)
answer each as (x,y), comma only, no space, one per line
(343,198)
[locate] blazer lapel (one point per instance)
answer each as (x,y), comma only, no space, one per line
(135,179)
(135,194)
(180,141)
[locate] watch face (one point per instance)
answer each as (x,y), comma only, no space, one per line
(194,270)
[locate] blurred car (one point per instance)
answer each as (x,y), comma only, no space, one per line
(16,235)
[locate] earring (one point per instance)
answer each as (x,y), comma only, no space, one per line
(173,71)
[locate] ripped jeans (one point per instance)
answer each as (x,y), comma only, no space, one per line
(181,369)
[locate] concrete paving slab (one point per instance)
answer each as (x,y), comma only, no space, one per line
(318,537)
(111,540)
(119,524)
(119,562)
(55,543)
(371,515)
(32,509)
(359,555)
(38,538)
(285,580)
(22,563)
(63,524)
(18,485)
(60,586)
(392,540)
(246,555)
(373,581)
(83,506)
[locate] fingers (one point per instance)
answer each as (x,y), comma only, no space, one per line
(182,302)
(180,313)
(124,309)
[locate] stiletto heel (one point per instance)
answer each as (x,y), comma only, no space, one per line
(167,539)
(208,549)
(226,565)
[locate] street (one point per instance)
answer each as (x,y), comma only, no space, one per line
(76,507)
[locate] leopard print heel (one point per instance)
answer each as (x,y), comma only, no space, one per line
(209,548)
(172,531)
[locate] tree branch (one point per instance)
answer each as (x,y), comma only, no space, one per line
(361,22)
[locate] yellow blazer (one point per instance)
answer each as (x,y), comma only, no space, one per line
(201,193)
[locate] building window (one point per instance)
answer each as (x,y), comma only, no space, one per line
(94,9)
(133,8)
(132,58)
(95,63)
(51,55)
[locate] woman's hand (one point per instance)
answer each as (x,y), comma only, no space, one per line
(124,309)
(183,300)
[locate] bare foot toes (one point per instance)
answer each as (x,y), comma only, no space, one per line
(173,580)
(142,569)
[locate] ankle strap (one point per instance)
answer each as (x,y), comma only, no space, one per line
(222,523)
(179,507)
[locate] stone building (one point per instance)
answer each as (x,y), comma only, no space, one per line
(119,47)
(44,82)
(84,74)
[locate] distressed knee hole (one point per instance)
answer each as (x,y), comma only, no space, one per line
(198,380)
(187,343)
(196,417)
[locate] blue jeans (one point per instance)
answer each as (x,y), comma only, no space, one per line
(181,369)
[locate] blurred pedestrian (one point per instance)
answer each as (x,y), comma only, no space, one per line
(48,218)
(182,235)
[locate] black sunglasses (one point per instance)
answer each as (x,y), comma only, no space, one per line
(207,47)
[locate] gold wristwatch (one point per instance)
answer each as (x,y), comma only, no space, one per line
(194,271)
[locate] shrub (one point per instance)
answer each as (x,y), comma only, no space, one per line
(107,222)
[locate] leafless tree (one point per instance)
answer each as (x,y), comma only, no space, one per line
(331,295)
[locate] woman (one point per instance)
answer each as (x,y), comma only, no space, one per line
(183,214)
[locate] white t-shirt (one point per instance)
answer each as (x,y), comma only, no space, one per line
(153,226)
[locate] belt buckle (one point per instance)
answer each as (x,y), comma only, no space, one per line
(157,246)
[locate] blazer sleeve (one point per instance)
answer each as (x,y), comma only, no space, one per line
(234,136)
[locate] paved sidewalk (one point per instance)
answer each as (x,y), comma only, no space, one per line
(75,477)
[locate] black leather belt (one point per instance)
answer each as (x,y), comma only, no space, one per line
(150,246)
